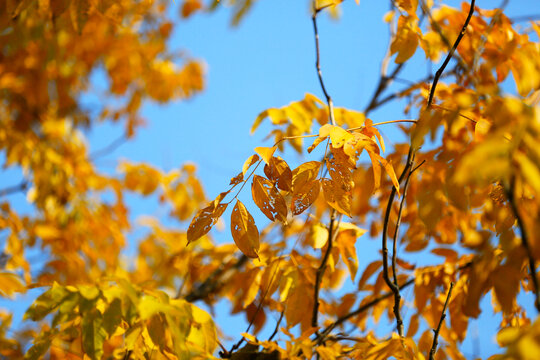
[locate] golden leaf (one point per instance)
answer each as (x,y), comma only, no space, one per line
(206,218)
(279,172)
(304,196)
(405,41)
(250,161)
(305,173)
(266,153)
(268,199)
(244,231)
(10,284)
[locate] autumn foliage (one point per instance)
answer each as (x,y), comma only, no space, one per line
(461,191)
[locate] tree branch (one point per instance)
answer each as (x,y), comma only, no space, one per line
(450,54)
(23,185)
(436,331)
(321,270)
(318,64)
(524,241)
(398,222)
(393,286)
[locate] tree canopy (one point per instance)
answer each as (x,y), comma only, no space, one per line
(454,206)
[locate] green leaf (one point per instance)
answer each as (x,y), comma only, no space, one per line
(93,334)
(40,347)
(46,302)
(112,317)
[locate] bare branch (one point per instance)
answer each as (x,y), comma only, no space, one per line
(436,331)
(23,185)
(450,54)
(398,222)
(393,285)
(277,326)
(109,148)
(318,65)
(524,241)
(321,270)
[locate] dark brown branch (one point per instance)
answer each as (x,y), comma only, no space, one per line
(372,303)
(384,81)
(450,54)
(524,241)
(436,331)
(321,270)
(361,309)
(405,91)
(277,326)
(318,65)
(23,185)
(398,222)
(393,286)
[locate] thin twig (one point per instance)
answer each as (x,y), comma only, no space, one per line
(393,286)
(436,331)
(372,303)
(398,222)
(318,65)
(524,241)
(109,148)
(277,326)
(384,81)
(450,54)
(320,271)
(361,309)
(23,185)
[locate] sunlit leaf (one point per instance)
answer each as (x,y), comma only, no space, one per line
(244,231)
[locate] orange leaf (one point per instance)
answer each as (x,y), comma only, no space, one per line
(244,231)
(250,161)
(305,196)
(304,174)
(278,171)
(268,199)
(206,218)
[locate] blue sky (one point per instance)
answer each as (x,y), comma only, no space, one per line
(268,61)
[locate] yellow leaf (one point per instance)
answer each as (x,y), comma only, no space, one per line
(268,199)
(266,153)
(47,232)
(203,334)
(10,284)
(250,161)
(405,41)
(507,336)
(244,231)
(319,236)
(339,136)
(345,242)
